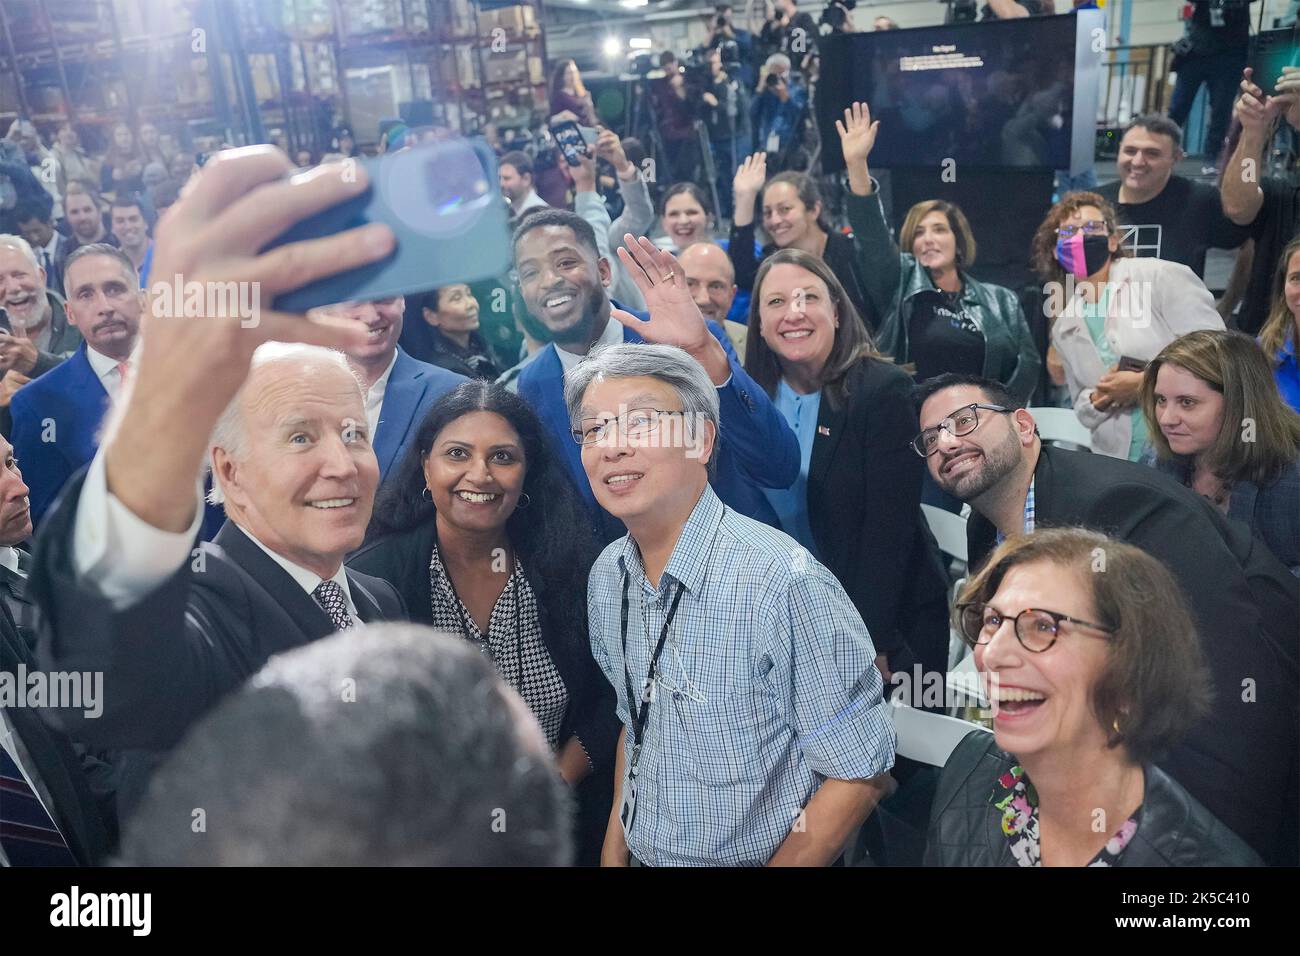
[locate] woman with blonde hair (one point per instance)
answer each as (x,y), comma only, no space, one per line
(1219,426)
(1281,331)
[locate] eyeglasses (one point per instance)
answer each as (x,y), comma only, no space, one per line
(1094,227)
(961,422)
(637,423)
(1035,628)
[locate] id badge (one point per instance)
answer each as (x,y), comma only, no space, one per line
(773,142)
(627,816)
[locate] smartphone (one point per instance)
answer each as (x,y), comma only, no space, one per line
(1127,364)
(1269,52)
(573,140)
(442,201)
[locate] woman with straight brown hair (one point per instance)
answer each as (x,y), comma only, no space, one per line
(933,314)
(855,505)
(1219,426)
(1281,331)
(1091,661)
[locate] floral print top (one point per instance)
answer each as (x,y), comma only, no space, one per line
(1016,797)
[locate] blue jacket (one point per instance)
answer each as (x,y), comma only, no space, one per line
(56,427)
(756,447)
(412,389)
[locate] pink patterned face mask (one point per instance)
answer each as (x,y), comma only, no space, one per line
(1082,255)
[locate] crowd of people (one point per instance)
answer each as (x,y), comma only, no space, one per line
(628,548)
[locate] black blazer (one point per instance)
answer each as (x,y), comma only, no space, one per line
(172,655)
(864,506)
(966,830)
(402,560)
(1243,761)
(85,824)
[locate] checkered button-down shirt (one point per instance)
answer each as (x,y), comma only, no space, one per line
(766,687)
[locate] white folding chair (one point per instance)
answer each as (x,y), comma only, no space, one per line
(1061,425)
(928,738)
(949,531)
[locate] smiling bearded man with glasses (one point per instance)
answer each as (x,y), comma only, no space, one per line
(981,445)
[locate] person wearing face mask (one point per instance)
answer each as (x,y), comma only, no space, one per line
(855,505)
(1113,313)
(1092,677)
(792,218)
(1198,395)
(934,314)
(477,533)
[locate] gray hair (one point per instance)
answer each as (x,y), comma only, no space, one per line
(231,432)
(666,363)
(19,244)
(778,59)
(423,766)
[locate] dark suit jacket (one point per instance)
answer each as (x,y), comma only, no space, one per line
(174,654)
(412,389)
(756,449)
(67,405)
(864,506)
(81,820)
(1243,761)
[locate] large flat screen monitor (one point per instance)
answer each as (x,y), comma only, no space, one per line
(1007,93)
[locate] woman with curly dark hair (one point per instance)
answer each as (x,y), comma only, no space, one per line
(483,536)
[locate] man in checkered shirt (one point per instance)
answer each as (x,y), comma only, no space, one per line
(758,734)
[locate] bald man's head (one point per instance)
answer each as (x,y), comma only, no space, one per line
(711,278)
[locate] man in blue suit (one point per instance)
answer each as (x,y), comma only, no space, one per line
(57,416)
(399,389)
(562,282)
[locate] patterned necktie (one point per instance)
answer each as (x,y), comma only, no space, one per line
(27,833)
(330,597)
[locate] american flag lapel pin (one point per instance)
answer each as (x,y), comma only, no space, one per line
(824,430)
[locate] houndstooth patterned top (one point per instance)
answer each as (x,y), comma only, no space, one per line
(513,643)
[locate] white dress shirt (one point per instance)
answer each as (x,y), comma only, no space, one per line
(612,335)
(124,557)
(110,376)
(375,397)
(9,558)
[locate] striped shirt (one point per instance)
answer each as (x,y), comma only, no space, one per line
(766,687)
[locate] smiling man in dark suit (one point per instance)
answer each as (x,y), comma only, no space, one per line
(283,428)
(399,389)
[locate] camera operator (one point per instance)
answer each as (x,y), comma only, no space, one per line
(676,120)
(723,30)
(790,32)
(726,116)
(779,114)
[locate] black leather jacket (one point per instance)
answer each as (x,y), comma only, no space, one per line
(965,828)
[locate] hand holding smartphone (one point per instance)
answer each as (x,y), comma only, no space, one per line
(441,200)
